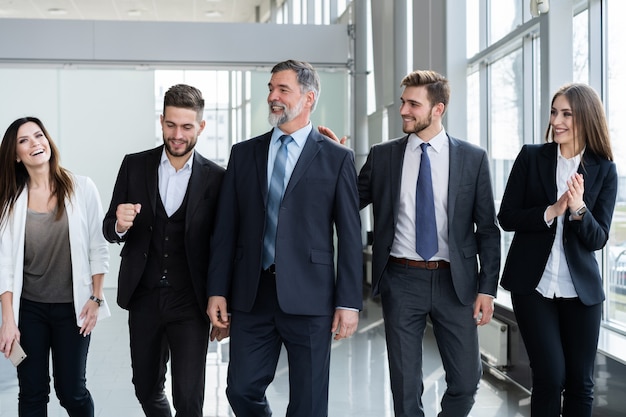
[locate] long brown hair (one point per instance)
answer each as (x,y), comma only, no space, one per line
(591,129)
(14,176)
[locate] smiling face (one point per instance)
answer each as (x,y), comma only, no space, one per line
(181,129)
(32,147)
(289,107)
(562,123)
(419,116)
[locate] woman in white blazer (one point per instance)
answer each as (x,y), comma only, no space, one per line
(53,258)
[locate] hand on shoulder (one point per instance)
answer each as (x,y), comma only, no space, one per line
(327,132)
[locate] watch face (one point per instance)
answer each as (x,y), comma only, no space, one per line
(581,211)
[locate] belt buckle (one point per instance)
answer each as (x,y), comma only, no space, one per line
(436,265)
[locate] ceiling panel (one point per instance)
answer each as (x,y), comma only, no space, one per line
(139,10)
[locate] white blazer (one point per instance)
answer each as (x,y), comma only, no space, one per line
(88,248)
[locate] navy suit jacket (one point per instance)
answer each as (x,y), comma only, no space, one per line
(321,192)
(137,182)
(531,188)
(473,233)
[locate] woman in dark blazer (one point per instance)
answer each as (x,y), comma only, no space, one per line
(559,201)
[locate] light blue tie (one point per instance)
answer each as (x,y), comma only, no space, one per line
(426,244)
(275,195)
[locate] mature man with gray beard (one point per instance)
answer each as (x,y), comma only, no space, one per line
(272,261)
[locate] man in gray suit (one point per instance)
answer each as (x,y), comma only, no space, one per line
(443,281)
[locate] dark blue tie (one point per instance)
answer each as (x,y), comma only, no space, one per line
(274,197)
(426,244)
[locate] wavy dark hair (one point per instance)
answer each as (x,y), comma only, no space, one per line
(14,176)
(590,126)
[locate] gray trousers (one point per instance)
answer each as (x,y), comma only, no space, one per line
(409,296)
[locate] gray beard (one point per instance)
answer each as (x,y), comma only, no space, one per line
(288,114)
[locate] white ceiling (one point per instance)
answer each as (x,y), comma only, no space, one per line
(138,10)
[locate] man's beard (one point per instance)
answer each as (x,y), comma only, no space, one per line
(419,125)
(287,115)
(186,150)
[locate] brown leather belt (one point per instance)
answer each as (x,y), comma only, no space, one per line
(420,264)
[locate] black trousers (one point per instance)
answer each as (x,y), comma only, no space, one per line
(165,323)
(45,328)
(561,338)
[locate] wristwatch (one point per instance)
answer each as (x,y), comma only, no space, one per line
(96,300)
(581,211)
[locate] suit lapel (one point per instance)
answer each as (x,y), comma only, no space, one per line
(195,194)
(261,149)
(547,171)
(152,176)
(455,174)
(396,161)
(311,149)
(589,168)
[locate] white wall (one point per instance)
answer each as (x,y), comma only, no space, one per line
(94,116)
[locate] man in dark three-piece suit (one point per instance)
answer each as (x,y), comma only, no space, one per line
(162,209)
(272,264)
(434,223)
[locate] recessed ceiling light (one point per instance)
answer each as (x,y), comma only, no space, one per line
(213,13)
(57,12)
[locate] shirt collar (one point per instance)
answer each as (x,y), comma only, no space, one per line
(437,142)
(299,136)
(165,160)
(576,158)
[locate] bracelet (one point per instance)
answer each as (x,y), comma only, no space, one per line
(96,300)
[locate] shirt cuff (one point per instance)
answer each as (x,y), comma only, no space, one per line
(347,308)
(121,235)
(548,223)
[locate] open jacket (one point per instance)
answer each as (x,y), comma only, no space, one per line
(88,248)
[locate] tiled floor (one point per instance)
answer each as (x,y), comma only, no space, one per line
(359,385)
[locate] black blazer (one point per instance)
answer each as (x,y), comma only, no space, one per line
(137,182)
(530,189)
(473,233)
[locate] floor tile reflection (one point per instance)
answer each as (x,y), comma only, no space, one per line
(359,385)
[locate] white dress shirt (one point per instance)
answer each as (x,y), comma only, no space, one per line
(439,154)
(172,183)
(556,280)
(294,149)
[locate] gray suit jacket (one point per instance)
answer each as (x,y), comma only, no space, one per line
(473,233)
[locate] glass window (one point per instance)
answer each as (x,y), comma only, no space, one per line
(473,108)
(581,47)
(505,121)
(615,103)
(504,16)
(473,33)
(297,13)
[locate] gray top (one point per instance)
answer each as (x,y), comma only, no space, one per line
(47,259)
